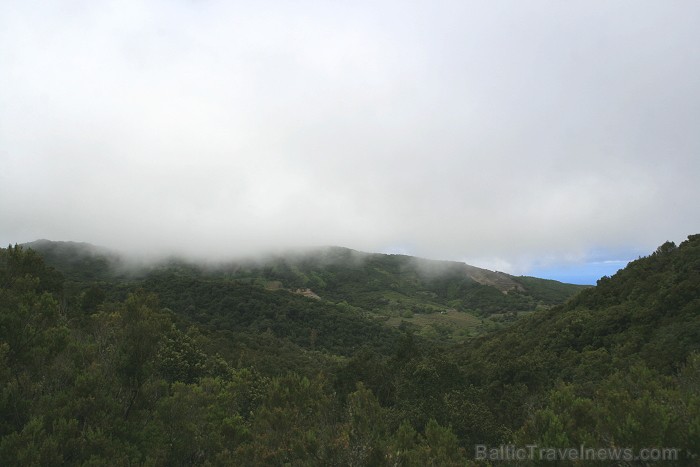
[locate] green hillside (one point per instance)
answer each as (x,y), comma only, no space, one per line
(438,299)
(102,363)
(640,327)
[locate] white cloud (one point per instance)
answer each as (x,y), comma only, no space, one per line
(502,132)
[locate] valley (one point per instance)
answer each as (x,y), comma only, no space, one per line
(336,357)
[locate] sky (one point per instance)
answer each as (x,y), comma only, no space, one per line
(548,138)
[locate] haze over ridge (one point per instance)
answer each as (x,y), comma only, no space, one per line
(517,137)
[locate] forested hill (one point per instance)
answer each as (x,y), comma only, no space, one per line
(619,363)
(647,313)
(373,282)
(178,364)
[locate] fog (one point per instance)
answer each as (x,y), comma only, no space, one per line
(518,136)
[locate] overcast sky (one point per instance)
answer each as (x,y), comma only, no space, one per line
(524,136)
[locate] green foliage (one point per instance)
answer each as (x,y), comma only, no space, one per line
(636,408)
(367,428)
(179,365)
(549,292)
(237,307)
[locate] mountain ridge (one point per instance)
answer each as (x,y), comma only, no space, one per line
(501,280)
(381,283)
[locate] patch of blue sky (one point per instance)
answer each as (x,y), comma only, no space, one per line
(586,273)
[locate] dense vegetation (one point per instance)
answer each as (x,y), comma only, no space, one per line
(182,365)
(434,298)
